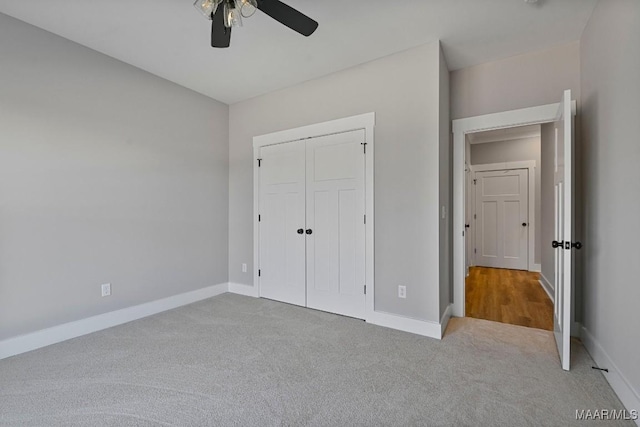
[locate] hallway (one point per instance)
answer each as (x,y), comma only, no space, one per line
(508,296)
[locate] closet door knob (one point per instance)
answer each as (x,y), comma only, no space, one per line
(309,231)
(300,230)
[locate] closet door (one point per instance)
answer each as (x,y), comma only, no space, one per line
(282,223)
(335,231)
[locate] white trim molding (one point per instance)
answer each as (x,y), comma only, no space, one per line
(530,165)
(547,286)
(462,127)
(406,324)
(246,290)
(66,331)
(537,268)
(444,320)
(362,121)
(628,395)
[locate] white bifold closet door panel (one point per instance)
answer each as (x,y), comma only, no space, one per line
(335,170)
(282,211)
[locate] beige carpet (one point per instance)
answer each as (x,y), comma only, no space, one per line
(239,361)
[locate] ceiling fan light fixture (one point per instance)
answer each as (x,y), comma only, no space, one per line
(226,14)
(247,7)
(207,7)
(232,16)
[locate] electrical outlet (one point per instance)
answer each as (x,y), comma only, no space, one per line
(106,289)
(244,268)
(402,291)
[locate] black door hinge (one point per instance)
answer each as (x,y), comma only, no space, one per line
(259,218)
(259,273)
(365,289)
(475,181)
(364,146)
(365,219)
(259,162)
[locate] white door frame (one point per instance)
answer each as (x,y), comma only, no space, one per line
(461,127)
(531,166)
(363,121)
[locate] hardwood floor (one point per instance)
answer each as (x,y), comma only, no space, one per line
(508,296)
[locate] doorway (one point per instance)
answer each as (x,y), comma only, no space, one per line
(561,117)
(503,243)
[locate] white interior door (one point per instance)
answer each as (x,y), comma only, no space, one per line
(563,228)
(335,218)
(502,219)
(282,223)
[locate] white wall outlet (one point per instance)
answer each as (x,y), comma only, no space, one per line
(402,291)
(244,268)
(106,289)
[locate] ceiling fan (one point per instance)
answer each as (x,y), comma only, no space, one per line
(227,14)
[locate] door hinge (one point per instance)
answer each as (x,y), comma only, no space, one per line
(259,218)
(475,181)
(364,147)
(365,289)
(259,162)
(259,272)
(365,218)
(474,216)
(475,251)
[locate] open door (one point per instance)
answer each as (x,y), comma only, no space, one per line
(563,243)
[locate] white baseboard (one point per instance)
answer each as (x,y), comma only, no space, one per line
(546,285)
(629,397)
(406,324)
(444,320)
(66,331)
(240,289)
(537,268)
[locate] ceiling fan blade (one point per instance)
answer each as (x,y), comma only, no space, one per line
(288,16)
(220,35)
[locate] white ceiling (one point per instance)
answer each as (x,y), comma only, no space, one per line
(508,134)
(170,38)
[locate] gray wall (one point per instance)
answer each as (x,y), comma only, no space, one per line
(446,225)
(610,66)
(547,146)
(402,90)
(528,80)
(107,174)
(514,151)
